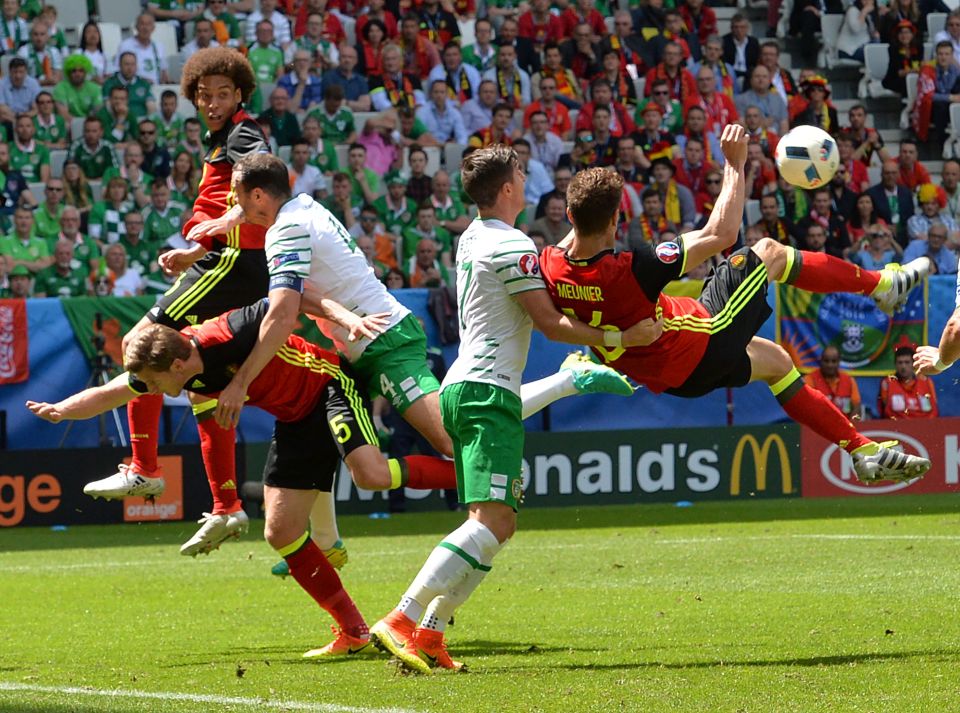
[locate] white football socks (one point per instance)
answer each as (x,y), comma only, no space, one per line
(323,521)
(539,394)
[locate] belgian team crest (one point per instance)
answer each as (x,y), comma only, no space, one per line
(738,261)
(528,264)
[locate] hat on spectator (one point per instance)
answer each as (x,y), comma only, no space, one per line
(652,106)
(20,270)
(394,178)
(663,161)
(909,25)
(77,61)
(815,81)
(904,346)
(929,192)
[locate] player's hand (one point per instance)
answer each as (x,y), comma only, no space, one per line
(370,326)
(217,226)
(643,333)
(229,404)
(176,261)
(733,143)
(925,359)
(48,412)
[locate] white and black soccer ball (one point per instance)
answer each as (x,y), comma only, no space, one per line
(807,157)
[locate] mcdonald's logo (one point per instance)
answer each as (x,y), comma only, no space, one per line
(761,456)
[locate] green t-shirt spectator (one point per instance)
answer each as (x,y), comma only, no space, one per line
(51,283)
(141,257)
(106,221)
(139,91)
(335,128)
(45,225)
(373,181)
(326,159)
(265,61)
(284,129)
(168,133)
(157,226)
(118,132)
(29,162)
(334,208)
(413,235)
(395,221)
(80,101)
(83,252)
(452,211)
(145,180)
(94,163)
(57,131)
(29,251)
(232,25)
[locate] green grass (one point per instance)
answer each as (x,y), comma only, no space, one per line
(801,605)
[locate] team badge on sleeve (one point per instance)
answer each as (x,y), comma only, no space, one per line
(668,252)
(528,264)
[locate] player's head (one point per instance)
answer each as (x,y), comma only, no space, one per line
(593,202)
(493,179)
(217,80)
(830,361)
(261,184)
(903,362)
(157,355)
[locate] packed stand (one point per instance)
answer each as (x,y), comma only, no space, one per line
(373,107)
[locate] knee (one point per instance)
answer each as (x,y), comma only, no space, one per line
(372,476)
(279,535)
(782,361)
(773,254)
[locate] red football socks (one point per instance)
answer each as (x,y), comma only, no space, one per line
(824,273)
(818,413)
(143,416)
(319,579)
(428,473)
(218,448)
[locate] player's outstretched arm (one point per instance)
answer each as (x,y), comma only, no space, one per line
(723,225)
(561,328)
(277,325)
(933,360)
(370,326)
(87,403)
(217,226)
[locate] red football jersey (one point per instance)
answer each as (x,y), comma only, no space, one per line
(619,290)
(238,138)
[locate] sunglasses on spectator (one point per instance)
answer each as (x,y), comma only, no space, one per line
(661,93)
(878,235)
(713,181)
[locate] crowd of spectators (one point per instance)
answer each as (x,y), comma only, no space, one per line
(363,121)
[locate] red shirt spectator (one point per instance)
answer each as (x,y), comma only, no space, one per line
(583,12)
(699,19)
(681,83)
(540,25)
(557,115)
(719,108)
(386,17)
(912,172)
(620,121)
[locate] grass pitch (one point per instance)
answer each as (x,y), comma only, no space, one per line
(789,605)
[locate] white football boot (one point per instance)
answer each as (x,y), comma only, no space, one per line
(126,482)
(214,530)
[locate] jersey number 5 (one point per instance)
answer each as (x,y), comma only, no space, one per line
(608,353)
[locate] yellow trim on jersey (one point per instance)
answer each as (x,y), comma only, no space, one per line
(203,407)
(711,325)
(209,280)
(782,385)
(359,410)
(316,364)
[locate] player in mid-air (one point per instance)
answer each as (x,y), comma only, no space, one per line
(710,342)
(218,274)
(501,296)
(322,416)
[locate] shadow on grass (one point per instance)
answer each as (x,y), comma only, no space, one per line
(531,519)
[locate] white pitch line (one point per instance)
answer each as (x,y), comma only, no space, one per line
(198,698)
(180,562)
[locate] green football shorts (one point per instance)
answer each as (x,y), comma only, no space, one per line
(485,424)
(395,365)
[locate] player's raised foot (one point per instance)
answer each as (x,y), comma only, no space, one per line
(336,556)
(592,378)
(876,462)
(392,634)
(214,530)
(896,281)
(128,481)
(432,648)
(343,645)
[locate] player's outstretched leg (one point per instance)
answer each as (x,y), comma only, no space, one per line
(822,273)
(142,478)
(872,461)
(578,375)
(288,511)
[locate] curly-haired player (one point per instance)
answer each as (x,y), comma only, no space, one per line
(221,272)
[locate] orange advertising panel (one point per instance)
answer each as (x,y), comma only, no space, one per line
(168,506)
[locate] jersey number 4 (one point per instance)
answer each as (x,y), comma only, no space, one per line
(608,353)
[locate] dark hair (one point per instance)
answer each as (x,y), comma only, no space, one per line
(521,142)
(601,107)
(552,45)
(17,62)
(593,200)
(266,172)
(452,44)
(355,145)
(119,88)
(99,36)
(485,171)
(426,205)
(538,113)
(192,121)
(855,220)
(93,120)
(410,16)
(217,60)
(167,93)
(649,193)
(600,83)
(501,107)
(395,271)
(374,23)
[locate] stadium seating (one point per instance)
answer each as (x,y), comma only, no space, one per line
(830,29)
(110,36)
(166,37)
(936,22)
(951,148)
(123,12)
(70,12)
(876,58)
(57,159)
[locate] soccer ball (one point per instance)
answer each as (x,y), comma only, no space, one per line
(807,157)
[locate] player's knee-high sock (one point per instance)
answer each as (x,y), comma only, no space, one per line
(143,416)
(319,579)
(218,448)
(323,521)
(462,551)
(819,272)
(816,412)
(422,473)
(442,608)
(539,394)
